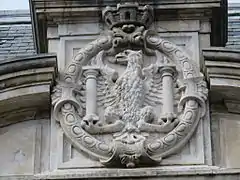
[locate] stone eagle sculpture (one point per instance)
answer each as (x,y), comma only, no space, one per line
(128,116)
(129,99)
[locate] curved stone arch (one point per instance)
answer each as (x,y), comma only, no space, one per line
(72,128)
(159,148)
(152,40)
(193,101)
(73,131)
(85,54)
(188,66)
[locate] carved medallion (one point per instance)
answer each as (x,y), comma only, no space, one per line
(130,98)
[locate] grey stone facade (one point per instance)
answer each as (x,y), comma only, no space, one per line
(121,92)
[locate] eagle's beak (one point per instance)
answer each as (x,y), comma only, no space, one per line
(121,58)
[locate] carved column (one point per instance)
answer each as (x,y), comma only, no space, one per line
(167,75)
(91,90)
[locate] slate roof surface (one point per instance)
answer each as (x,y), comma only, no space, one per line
(16,37)
(233,26)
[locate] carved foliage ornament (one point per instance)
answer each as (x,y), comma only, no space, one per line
(121,107)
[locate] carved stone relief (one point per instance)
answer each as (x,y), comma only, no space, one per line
(130,98)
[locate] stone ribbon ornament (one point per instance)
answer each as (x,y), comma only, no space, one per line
(122,108)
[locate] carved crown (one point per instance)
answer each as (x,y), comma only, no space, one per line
(127,14)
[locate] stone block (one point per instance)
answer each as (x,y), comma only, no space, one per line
(230,140)
(78,29)
(180,26)
(17,149)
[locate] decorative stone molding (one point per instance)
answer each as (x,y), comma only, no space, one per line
(186,172)
(176,173)
(134,110)
(26,82)
(73,12)
(128,13)
(222,70)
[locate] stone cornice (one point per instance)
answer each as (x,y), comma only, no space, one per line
(25,85)
(223,72)
(163,3)
(222,54)
(15,17)
(25,63)
(137,173)
(46,12)
(73,11)
(143,172)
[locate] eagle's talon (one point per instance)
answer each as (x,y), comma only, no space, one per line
(90,120)
(167,118)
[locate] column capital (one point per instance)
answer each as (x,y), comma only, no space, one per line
(90,71)
(168,70)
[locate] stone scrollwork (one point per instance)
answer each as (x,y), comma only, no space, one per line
(127,106)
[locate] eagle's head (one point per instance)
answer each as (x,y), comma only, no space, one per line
(133,59)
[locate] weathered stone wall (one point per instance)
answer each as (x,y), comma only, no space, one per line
(34,144)
(62,42)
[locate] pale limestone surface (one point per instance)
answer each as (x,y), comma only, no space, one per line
(17,150)
(132,113)
(222,70)
(188,41)
(24,96)
(40,149)
(24,148)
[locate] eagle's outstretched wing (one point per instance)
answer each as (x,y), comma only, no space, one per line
(106,89)
(153,86)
